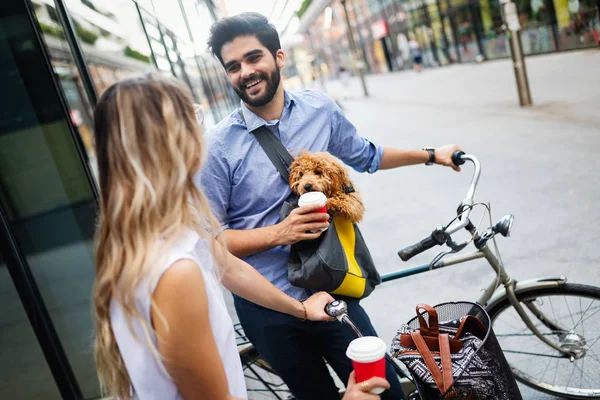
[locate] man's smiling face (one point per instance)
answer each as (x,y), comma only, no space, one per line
(252,69)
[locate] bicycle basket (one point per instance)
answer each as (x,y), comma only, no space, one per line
(452,353)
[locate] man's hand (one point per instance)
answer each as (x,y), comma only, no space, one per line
(361,391)
(443,156)
(297,226)
(315,306)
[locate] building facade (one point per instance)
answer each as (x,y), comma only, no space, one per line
(448,31)
(56,58)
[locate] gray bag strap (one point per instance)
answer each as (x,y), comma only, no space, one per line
(275,150)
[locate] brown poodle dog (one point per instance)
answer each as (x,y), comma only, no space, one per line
(321,172)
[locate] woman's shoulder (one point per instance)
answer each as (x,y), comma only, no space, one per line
(188,246)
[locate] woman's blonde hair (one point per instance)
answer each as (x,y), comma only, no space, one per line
(149,146)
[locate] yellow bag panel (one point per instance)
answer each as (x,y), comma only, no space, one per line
(352,286)
(354,283)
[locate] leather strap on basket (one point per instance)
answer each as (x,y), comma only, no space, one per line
(443,378)
(432,329)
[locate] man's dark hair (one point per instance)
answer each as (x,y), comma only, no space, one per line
(246,24)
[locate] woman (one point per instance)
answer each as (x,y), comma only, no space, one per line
(163,331)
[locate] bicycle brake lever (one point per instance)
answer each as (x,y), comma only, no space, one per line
(455,246)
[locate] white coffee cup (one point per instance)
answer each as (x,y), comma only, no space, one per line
(316,198)
(368,359)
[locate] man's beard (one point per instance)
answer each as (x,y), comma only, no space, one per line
(272,83)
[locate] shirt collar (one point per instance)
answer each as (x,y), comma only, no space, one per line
(253,121)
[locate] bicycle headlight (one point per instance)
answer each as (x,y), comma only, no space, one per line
(504,226)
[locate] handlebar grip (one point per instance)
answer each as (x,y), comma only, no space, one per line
(409,252)
(457,158)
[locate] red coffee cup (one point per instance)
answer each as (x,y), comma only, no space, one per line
(314,198)
(367,354)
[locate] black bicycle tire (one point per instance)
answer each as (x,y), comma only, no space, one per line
(573,289)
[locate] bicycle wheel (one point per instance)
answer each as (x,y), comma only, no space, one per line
(571,319)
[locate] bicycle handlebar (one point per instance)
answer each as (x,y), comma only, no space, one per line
(438,236)
(463,221)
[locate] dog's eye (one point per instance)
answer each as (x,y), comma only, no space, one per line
(318,172)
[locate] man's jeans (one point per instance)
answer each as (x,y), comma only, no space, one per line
(295,349)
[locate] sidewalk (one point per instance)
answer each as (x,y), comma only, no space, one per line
(564,87)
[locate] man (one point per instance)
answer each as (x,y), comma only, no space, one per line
(246,193)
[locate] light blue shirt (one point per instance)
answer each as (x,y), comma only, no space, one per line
(244,188)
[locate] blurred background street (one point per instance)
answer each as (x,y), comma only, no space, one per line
(539,162)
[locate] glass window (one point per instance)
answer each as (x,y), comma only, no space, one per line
(578,23)
(536,18)
(48,197)
(21,359)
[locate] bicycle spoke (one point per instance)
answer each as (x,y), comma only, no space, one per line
(529,334)
(542,366)
(570,377)
(581,369)
(583,373)
(556,370)
(546,370)
(531,354)
(582,314)
(595,341)
(595,312)
(593,355)
(552,308)
(569,308)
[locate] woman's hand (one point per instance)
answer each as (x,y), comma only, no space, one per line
(315,306)
(360,391)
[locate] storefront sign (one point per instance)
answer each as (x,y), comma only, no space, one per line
(511,16)
(379,29)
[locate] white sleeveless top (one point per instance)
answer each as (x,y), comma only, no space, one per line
(148,375)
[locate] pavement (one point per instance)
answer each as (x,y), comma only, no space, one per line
(539,163)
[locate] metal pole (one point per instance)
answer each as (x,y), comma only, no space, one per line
(316,59)
(393,51)
(516,51)
(360,68)
(360,36)
(446,48)
(84,72)
(511,21)
(137,7)
(162,39)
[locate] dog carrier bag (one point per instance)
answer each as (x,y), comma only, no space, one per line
(452,353)
(338,261)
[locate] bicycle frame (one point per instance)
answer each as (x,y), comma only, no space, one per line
(503,286)
(500,288)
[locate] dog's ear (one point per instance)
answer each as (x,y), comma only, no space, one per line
(340,176)
(294,177)
(348,187)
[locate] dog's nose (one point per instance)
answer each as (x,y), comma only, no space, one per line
(308,187)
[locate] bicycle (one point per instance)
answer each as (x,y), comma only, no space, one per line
(527,321)
(543,334)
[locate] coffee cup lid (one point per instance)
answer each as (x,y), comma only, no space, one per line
(366,349)
(312,198)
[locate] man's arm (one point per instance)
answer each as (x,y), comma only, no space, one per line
(294,228)
(364,156)
(393,158)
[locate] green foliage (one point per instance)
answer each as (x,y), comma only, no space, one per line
(52,30)
(85,35)
(129,52)
(303,7)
